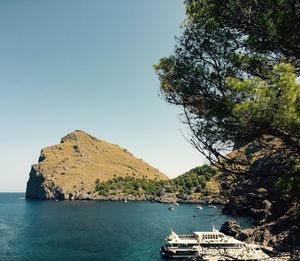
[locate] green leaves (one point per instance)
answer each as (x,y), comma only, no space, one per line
(271,27)
(269,106)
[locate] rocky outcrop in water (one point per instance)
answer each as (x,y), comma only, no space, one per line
(283,234)
(39,187)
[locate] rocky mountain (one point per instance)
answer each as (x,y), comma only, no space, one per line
(70,169)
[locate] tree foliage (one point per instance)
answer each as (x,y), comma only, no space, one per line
(193,181)
(268,106)
(268,27)
(233,72)
(130,185)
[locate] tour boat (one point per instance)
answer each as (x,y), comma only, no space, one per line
(212,246)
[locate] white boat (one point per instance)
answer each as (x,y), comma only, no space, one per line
(171,208)
(199,207)
(211,206)
(176,203)
(125,200)
(210,246)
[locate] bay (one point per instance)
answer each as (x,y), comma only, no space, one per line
(95,230)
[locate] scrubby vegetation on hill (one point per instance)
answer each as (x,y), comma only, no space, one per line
(198,180)
(129,186)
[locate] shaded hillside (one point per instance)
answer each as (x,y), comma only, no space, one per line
(263,181)
(256,173)
(70,169)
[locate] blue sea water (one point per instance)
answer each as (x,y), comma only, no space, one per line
(94,230)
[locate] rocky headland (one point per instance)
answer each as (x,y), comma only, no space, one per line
(70,169)
(84,167)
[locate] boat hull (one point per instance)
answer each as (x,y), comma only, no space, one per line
(188,253)
(192,253)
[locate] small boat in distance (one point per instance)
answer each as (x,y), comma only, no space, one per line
(211,246)
(176,203)
(125,200)
(199,207)
(211,206)
(171,208)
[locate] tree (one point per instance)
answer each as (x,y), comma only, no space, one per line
(269,27)
(195,79)
(269,106)
(234,57)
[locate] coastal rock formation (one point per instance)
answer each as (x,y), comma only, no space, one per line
(70,169)
(252,186)
(283,234)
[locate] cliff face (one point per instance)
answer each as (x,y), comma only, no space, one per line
(69,170)
(253,190)
(253,183)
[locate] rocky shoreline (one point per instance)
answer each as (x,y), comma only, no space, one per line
(56,193)
(280,235)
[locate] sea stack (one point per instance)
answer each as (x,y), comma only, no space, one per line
(70,169)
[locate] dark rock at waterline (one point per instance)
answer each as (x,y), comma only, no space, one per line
(231,228)
(283,234)
(252,189)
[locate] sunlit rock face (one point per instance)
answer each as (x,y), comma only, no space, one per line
(69,170)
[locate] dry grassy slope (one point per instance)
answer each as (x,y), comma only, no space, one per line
(80,159)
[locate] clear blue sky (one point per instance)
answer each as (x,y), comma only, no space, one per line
(87,64)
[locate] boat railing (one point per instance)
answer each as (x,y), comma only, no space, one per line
(187,236)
